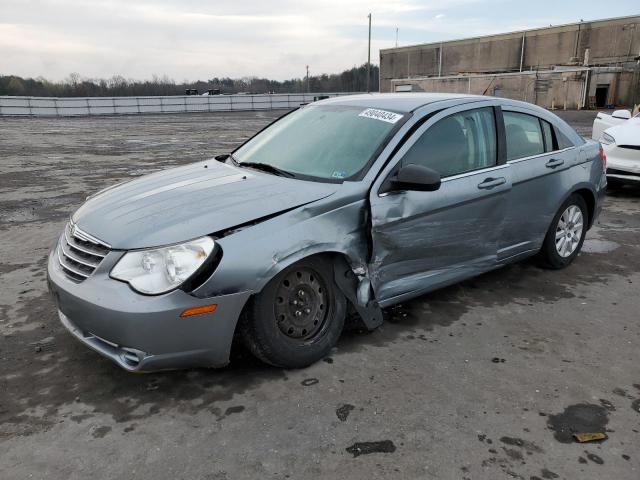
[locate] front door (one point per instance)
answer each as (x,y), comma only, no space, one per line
(424,240)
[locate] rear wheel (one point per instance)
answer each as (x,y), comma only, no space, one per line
(566,234)
(297,318)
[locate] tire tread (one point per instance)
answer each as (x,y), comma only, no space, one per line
(548,255)
(260,306)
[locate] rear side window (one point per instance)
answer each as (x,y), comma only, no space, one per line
(459,143)
(563,140)
(524,135)
(547,131)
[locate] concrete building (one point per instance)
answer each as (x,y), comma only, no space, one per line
(580,65)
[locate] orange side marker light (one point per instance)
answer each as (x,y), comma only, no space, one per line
(190,312)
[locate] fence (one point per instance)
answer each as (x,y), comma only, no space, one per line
(77,106)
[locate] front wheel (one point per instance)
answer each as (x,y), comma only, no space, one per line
(297,318)
(566,234)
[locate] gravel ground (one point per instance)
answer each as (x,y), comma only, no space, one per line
(481,380)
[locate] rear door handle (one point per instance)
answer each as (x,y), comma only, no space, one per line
(554,162)
(489,183)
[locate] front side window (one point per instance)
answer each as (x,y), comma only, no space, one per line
(523,134)
(332,142)
(459,143)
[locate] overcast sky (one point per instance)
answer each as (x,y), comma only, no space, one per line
(197,39)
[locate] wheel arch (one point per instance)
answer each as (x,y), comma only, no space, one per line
(589,198)
(586,191)
(331,255)
(349,274)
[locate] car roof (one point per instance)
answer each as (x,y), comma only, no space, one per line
(409,102)
(401,102)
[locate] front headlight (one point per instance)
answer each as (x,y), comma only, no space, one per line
(159,270)
(607,139)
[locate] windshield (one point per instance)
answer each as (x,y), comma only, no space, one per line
(323,141)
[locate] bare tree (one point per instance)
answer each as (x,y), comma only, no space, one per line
(75,85)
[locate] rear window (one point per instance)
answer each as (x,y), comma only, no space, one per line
(523,134)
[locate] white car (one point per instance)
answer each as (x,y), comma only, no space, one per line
(604,121)
(621,144)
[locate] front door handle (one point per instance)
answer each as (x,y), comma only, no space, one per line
(554,163)
(489,183)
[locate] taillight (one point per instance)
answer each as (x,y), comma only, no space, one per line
(603,158)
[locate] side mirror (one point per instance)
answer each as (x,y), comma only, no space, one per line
(622,114)
(417,178)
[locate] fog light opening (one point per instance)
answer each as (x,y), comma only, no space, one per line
(190,312)
(131,356)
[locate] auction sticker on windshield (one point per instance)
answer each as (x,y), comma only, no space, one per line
(383,115)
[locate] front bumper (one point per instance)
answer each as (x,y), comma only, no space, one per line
(140,332)
(623,164)
(623,176)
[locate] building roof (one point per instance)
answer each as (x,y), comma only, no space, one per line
(633,18)
(401,102)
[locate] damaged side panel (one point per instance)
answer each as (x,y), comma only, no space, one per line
(252,256)
(423,240)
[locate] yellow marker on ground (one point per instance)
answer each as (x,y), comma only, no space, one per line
(589,437)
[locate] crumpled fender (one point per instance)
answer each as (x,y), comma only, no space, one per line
(337,228)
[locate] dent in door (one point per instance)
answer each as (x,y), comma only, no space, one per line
(411,247)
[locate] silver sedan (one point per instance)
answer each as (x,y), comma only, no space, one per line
(350,204)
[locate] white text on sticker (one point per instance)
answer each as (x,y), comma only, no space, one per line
(383,115)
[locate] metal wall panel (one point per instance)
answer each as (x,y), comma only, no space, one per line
(52,106)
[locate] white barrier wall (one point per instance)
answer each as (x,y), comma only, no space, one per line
(73,106)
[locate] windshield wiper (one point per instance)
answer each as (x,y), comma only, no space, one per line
(265,167)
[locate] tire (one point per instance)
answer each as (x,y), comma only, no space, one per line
(297,318)
(555,252)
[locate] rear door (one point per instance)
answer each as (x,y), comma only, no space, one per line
(540,160)
(423,240)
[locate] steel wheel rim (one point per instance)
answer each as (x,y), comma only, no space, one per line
(569,231)
(301,304)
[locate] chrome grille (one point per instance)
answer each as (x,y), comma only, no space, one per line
(79,254)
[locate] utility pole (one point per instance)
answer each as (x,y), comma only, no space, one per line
(307,78)
(396,37)
(369,58)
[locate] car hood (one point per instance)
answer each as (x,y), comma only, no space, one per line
(187,202)
(626,134)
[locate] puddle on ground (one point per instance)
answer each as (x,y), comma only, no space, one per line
(580,418)
(343,411)
(594,245)
(365,448)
